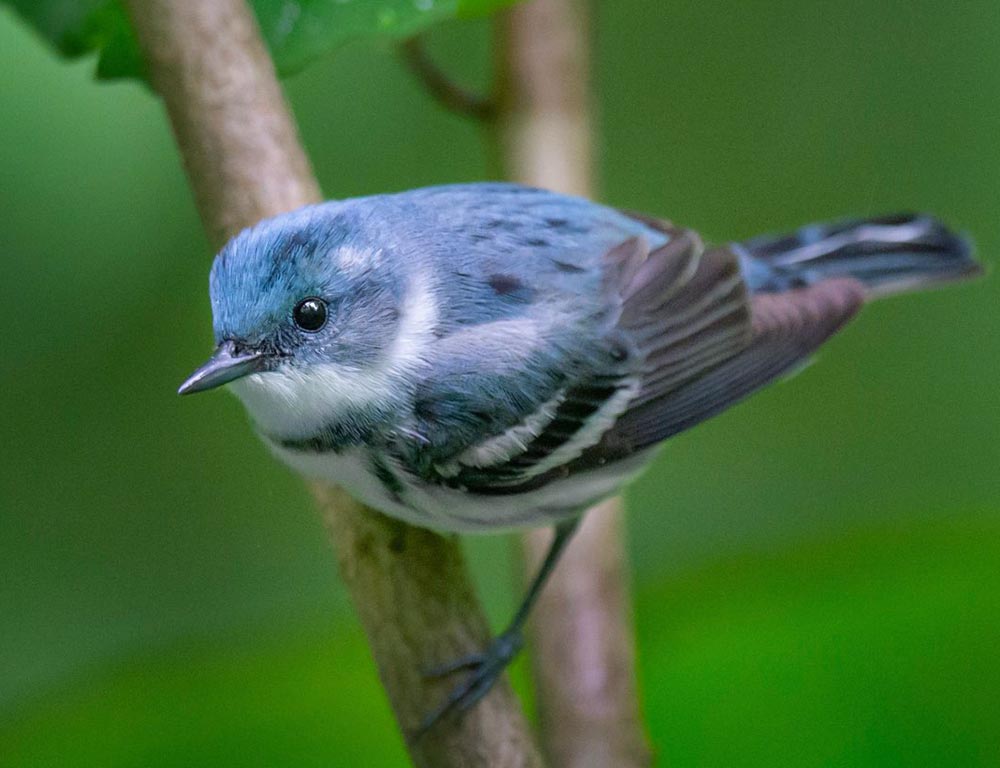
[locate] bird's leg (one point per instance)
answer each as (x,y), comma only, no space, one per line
(486,667)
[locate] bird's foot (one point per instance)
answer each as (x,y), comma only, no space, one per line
(484,670)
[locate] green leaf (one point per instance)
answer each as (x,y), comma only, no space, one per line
(297,31)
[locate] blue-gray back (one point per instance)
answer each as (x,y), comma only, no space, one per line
(497,248)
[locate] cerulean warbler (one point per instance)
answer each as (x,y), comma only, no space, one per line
(486,357)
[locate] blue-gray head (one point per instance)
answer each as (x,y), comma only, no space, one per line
(299,301)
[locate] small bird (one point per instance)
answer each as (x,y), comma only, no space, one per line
(489,357)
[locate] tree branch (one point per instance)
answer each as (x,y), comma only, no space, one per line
(446,91)
(245,162)
(582,640)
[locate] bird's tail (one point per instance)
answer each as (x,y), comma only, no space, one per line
(889,255)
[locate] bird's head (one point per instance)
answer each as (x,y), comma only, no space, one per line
(307,318)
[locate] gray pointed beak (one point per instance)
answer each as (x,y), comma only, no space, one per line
(224,366)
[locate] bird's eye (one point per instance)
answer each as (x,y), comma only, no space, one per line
(310,314)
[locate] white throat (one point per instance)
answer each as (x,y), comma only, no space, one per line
(295,402)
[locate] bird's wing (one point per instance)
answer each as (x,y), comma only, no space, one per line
(683,340)
(699,359)
(674,314)
(498,414)
(506,400)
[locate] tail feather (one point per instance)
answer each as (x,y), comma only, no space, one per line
(888,255)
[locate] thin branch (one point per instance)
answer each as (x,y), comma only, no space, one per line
(442,88)
(419,608)
(583,656)
(582,642)
(245,162)
(239,145)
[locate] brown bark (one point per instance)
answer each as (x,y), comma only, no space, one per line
(582,645)
(245,162)
(237,139)
(581,633)
(415,600)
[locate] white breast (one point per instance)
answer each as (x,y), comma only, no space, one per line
(449,509)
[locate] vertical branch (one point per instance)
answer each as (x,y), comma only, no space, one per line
(244,161)
(419,609)
(583,656)
(238,142)
(581,632)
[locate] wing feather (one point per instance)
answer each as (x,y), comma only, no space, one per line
(786,329)
(685,339)
(678,311)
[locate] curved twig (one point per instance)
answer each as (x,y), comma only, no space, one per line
(442,88)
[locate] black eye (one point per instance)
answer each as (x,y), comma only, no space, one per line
(310,314)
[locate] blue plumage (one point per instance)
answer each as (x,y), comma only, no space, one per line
(887,254)
(487,356)
(471,232)
(494,339)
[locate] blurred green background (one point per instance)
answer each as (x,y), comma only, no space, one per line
(816,571)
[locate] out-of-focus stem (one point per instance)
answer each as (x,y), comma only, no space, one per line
(446,91)
(244,161)
(581,632)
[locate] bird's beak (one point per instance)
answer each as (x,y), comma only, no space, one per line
(223,366)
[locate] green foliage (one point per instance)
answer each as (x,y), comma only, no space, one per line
(297,31)
(845,652)
(816,570)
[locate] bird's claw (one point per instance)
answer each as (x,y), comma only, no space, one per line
(472,661)
(485,669)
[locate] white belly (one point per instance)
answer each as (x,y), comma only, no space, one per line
(449,509)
